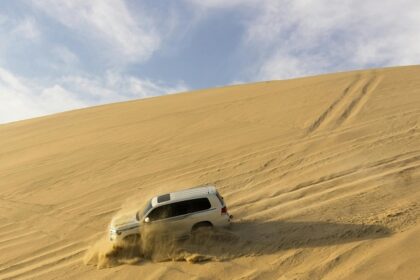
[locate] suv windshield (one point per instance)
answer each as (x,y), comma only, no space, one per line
(147,208)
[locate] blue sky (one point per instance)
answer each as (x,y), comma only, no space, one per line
(62,55)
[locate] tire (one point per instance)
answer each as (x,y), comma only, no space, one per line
(202,226)
(132,239)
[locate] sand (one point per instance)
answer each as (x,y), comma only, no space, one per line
(322,175)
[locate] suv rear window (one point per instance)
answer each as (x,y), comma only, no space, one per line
(179,208)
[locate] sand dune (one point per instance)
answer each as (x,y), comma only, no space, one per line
(322,175)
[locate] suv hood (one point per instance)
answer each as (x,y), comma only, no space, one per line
(125,221)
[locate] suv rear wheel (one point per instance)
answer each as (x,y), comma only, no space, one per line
(202,226)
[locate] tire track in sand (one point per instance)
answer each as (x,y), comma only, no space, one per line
(53,255)
(347,105)
(44,265)
(358,101)
(329,113)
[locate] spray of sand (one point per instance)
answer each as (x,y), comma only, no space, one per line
(206,245)
(203,245)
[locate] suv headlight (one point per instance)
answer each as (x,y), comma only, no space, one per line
(114,231)
(113,234)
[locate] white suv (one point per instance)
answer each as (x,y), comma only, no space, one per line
(177,213)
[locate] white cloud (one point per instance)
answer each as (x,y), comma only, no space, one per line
(117,87)
(285,66)
(3,19)
(311,37)
(57,99)
(129,38)
(220,4)
(11,82)
(147,88)
(16,31)
(65,55)
(22,98)
(304,37)
(27,28)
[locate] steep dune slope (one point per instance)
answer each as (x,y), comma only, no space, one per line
(322,175)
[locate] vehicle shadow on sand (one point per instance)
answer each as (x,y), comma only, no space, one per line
(262,238)
(241,239)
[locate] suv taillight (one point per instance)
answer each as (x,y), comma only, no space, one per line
(224,210)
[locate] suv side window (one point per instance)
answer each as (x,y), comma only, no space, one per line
(199,204)
(179,208)
(190,206)
(161,212)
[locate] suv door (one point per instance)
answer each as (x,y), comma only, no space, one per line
(157,218)
(166,219)
(178,218)
(201,211)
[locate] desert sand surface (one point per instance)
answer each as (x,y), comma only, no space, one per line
(322,175)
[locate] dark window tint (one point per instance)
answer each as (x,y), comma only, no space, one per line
(179,208)
(199,204)
(190,206)
(163,198)
(161,212)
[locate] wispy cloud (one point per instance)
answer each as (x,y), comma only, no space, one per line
(27,28)
(114,86)
(129,38)
(65,55)
(22,98)
(107,30)
(286,39)
(297,38)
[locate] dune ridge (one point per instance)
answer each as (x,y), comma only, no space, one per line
(321,173)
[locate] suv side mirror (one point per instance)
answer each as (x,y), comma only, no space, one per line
(147,220)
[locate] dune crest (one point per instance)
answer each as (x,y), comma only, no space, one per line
(322,175)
